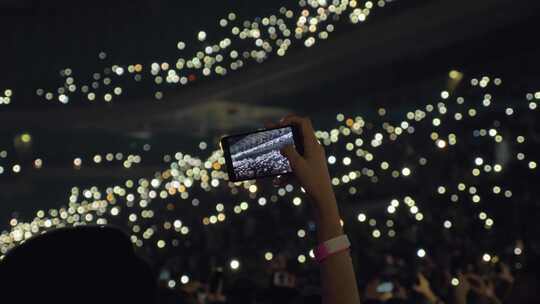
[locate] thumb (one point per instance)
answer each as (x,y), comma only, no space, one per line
(293,156)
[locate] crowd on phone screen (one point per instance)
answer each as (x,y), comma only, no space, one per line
(270,163)
(262,159)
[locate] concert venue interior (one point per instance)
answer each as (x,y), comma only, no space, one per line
(111,113)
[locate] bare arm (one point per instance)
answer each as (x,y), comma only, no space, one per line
(462,290)
(337,273)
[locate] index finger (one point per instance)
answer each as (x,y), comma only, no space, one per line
(305,126)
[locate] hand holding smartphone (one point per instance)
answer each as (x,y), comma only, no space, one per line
(270,152)
(257,154)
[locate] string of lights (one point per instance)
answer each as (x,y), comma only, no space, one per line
(247,41)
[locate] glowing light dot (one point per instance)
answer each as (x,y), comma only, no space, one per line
(77,162)
(455,282)
(406,171)
(362,217)
(421,253)
(184,279)
(486,257)
(201,36)
(177,224)
(517,251)
(268,256)
(441,143)
(119,71)
(454,74)
(234,264)
(26,138)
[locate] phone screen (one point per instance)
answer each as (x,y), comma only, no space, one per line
(257,154)
(385,287)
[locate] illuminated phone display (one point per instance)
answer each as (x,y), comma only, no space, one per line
(257,154)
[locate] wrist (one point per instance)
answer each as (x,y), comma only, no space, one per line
(324,201)
(328,223)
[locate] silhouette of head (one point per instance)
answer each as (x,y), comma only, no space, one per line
(72,265)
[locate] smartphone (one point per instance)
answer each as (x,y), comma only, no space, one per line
(385,287)
(256,154)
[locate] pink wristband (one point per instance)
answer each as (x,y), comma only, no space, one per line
(331,247)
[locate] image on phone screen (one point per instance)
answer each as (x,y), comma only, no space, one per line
(257,154)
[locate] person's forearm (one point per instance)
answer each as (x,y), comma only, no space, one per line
(337,272)
(431,297)
(328,220)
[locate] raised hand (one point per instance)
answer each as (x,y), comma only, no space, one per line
(310,169)
(424,289)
